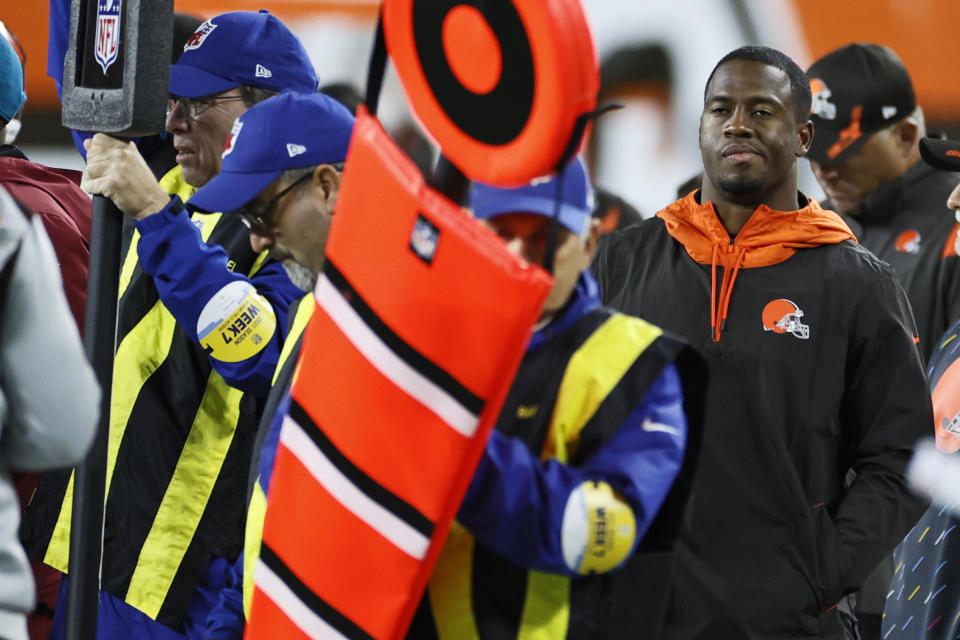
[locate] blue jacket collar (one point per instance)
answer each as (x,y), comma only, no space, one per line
(584,299)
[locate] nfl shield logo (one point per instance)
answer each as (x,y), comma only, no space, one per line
(424,239)
(108,32)
(232,138)
(199,36)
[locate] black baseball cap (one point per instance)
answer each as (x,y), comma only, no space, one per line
(857,90)
(941,154)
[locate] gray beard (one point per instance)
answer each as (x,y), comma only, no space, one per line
(300,276)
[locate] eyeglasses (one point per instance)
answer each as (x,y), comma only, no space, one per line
(193,107)
(260,219)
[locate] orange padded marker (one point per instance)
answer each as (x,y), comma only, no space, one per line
(499,88)
(421,321)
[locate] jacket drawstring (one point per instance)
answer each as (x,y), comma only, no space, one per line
(719,309)
(713,291)
(725,298)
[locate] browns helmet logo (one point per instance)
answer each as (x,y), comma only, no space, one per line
(908,242)
(821,105)
(783,316)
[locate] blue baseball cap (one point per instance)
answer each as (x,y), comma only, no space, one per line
(289,131)
(242,47)
(540,197)
(12,96)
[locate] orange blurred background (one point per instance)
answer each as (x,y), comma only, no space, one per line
(921,31)
(30,21)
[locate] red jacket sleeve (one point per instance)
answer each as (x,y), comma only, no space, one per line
(65,211)
(73,254)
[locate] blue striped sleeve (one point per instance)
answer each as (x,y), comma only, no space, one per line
(515,503)
(190,275)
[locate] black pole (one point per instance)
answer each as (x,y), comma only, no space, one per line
(99,340)
(449,180)
(446,177)
(376,69)
(572,143)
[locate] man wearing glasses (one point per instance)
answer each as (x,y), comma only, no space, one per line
(198,338)
(282,177)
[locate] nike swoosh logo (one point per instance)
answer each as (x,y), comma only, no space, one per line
(650,425)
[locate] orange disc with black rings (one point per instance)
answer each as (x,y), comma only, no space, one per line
(498,84)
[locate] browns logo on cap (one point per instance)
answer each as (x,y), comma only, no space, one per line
(857,90)
(820,104)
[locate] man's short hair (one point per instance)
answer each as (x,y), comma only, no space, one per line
(799,84)
(253,95)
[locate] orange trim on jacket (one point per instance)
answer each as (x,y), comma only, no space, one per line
(769,237)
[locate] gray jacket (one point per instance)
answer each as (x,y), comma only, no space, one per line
(49,398)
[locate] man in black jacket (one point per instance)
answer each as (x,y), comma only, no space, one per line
(924,595)
(813,370)
(866,157)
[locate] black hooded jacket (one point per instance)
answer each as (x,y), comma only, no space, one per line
(906,223)
(813,371)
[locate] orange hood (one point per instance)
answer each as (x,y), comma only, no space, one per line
(769,237)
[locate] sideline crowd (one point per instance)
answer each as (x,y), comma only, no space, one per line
(708,433)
